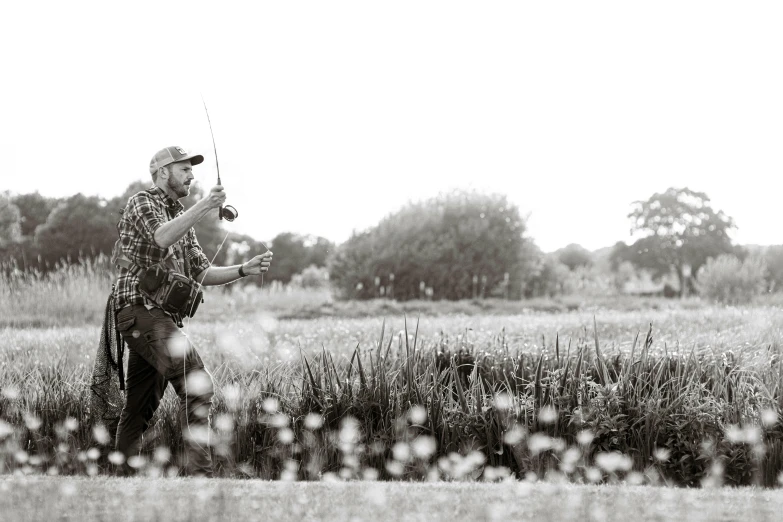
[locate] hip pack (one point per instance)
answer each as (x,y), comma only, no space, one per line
(173,292)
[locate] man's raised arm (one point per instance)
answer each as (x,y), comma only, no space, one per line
(172,231)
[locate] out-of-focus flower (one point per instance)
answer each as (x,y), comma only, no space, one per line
(313,421)
(424,446)
(232,395)
(514,436)
(116,458)
(613,461)
(270,405)
(547,415)
(503,402)
(32,421)
(162,455)
(101,434)
(286,435)
(5,429)
(401,452)
(662,454)
(417,415)
(769,418)
(585,437)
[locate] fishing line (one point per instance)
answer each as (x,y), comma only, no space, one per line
(230,214)
(190,344)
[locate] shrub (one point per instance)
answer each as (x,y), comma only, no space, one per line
(728,280)
(455,246)
(548,278)
(312,277)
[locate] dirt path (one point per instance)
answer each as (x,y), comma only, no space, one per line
(120,500)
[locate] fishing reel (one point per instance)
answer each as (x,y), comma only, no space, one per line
(228,213)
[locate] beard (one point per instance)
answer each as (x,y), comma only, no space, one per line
(180,189)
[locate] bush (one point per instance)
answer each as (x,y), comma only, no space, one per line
(728,280)
(548,278)
(456,246)
(312,277)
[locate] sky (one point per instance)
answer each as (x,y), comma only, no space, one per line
(329,116)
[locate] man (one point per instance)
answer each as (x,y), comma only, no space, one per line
(155,229)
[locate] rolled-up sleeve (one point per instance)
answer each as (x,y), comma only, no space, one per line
(196,257)
(147,217)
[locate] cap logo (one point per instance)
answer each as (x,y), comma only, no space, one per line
(180,150)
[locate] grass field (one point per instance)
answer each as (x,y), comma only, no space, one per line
(649,391)
(552,410)
(708,375)
(130,500)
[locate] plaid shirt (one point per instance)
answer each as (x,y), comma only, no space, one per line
(141,217)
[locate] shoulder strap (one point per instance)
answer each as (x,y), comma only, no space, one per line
(178,248)
(118,258)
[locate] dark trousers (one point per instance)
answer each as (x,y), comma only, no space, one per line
(160,353)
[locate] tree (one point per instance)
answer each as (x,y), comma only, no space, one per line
(574,256)
(291,256)
(134,188)
(548,278)
(680,231)
(78,226)
(458,245)
(318,249)
(34,209)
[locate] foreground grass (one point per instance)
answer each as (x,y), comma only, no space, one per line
(681,411)
(121,500)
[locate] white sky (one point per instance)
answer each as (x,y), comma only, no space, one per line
(330,115)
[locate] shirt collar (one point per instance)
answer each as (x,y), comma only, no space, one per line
(167,200)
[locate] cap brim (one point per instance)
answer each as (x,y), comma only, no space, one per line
(195,159)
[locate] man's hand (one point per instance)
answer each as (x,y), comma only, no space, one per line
(216,197)
(258,265)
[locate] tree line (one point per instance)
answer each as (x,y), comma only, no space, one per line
(458,245)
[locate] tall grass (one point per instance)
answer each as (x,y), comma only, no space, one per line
(69,294)
(403,408)
(75,294)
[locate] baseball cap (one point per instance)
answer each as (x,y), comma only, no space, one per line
(171,155)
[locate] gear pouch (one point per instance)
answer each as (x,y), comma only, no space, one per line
(151,279)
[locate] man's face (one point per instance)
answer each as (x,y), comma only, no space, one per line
(180,178)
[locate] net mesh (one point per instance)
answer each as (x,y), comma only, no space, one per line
(107,389)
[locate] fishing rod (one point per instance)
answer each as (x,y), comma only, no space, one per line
(228,212)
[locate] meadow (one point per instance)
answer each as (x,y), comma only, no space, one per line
(633,392)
